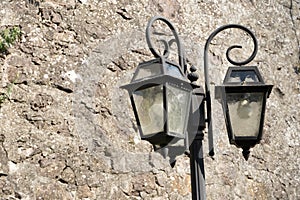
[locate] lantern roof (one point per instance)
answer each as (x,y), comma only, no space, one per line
(157,67)
(244,75)
(158,71)
(243,79)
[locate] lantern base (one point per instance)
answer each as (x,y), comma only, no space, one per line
(162,139)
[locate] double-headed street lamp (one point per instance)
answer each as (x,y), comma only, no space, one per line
(169,106)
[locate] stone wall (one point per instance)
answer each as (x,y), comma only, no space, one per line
(67,131)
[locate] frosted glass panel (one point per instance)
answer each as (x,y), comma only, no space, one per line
(245,113)
(148,71)
(149,105)
(173,71)
(244,75)
(178,110)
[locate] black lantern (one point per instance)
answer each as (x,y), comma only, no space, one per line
(160,94)
(243,95)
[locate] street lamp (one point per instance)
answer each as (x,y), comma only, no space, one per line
(160,93)
(169,106)
(243,97)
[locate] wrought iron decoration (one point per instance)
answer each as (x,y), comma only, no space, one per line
(167,44)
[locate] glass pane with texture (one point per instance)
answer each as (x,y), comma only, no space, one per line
(149,105)
(248,76)
(245,113)
(173,71)
(148,71)
(178,110)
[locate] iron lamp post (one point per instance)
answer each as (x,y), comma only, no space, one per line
(169,106)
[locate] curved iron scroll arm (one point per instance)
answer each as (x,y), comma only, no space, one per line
(207,87)
(167,44)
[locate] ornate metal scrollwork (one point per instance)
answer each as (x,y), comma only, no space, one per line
(167,44)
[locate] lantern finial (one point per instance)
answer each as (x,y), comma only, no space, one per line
(246,153)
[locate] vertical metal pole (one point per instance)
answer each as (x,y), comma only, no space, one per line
(195,129)
(197,168)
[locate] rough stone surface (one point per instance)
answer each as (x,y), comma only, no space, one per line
(67,131)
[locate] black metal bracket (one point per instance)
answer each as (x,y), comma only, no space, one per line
(167,44)
(206,73)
